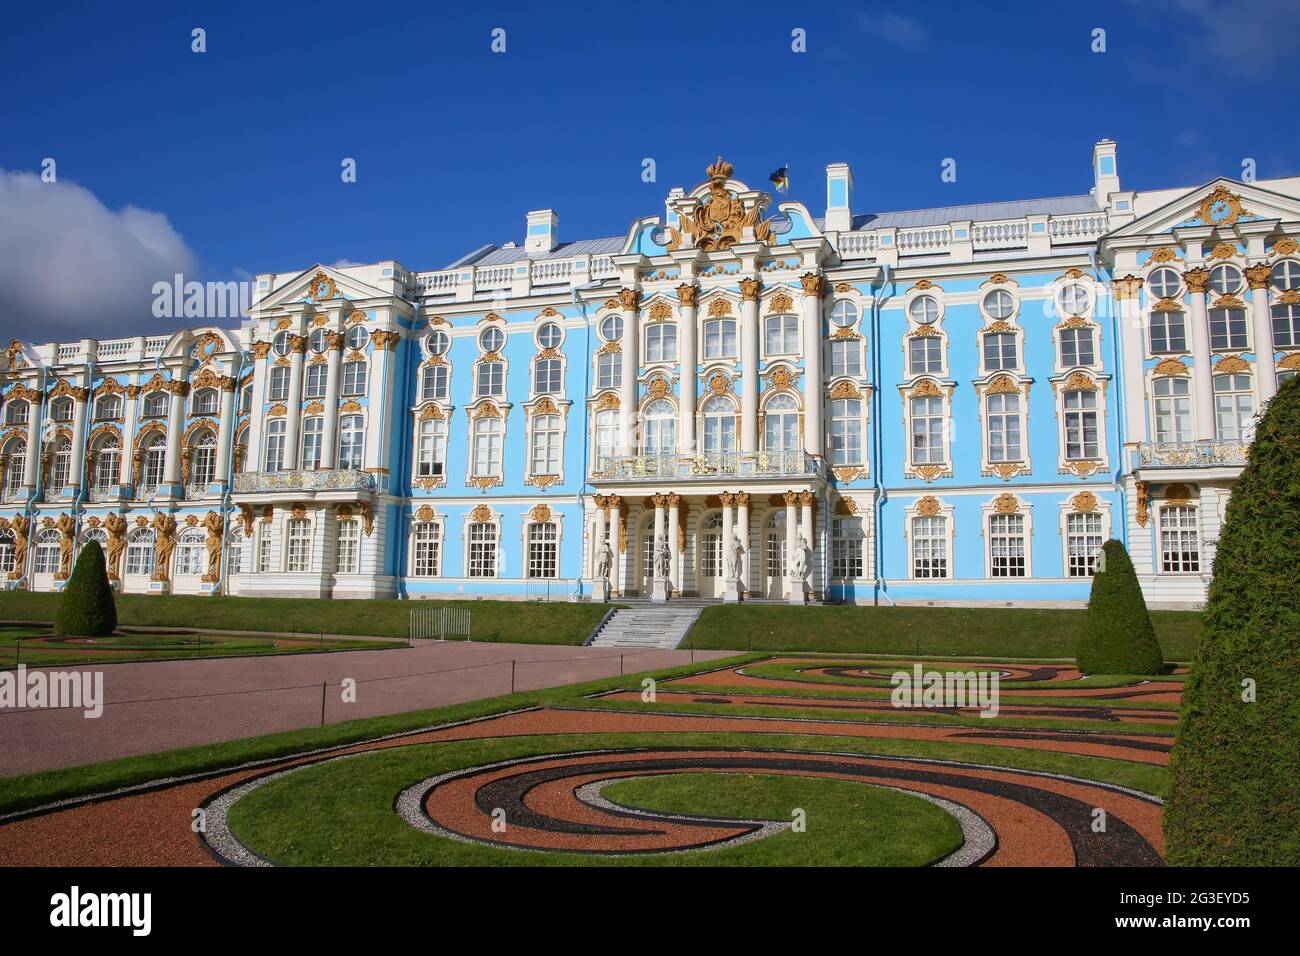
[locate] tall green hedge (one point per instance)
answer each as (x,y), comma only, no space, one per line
(1234,797)
(87,606)
(1117,636)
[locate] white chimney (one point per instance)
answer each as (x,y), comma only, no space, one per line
(543,231)
(839,198)
(1105,171)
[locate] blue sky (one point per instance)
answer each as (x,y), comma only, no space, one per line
(238,150)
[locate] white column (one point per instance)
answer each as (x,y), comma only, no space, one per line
(31,466)
(1202,380)
(749,289)
(659,502)
(742,522)
(378,391)
(293,421)
(223,469)
(686,329)
(77,471)
(330,436)
(175,422)
(601,525)
(791,528)
(811,316)
(1130,317)
(627,391)
(126,464)
(255,456)
(616,542)
(728,530)
(674,519)
(806,517)
(1262,331)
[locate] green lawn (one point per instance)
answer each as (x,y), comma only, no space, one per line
(35,647)
(511,621)
(969,632)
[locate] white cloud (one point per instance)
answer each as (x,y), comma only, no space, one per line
(71,268)
(894,28)
(346,264)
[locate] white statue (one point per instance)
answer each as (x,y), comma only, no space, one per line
(737,559)
(604,561)
(801,560)
(663,559)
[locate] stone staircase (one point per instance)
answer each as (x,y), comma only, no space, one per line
(646,625)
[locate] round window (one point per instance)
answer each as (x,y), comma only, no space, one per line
(611,328)
(318,341)
(281,343)
(492,339)
(1074,299)
(1164,283)
(1286,275)
(357,337)
(1225,280)
(548,336)
(999,304)
(437,342)
(844,313)
(924,310)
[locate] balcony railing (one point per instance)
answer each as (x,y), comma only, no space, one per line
(1191,454)
(326,480)
(782,464)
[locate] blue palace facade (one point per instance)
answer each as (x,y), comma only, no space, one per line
(952,406)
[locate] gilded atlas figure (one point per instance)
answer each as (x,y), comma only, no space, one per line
(164,529)
(67,527)
(115,526)
(216,527)
(21,526)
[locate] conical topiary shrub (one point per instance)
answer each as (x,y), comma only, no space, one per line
(1234,794)
(87,607)
(1117,637)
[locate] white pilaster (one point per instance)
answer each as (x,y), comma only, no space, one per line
(627,387)
(749,365)
(293,420)
(811,317)
(1262,332)
(1202,380)
(330,436)
(686,330)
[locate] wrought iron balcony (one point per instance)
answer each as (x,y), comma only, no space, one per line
(334,479)
(1191,454)
(762,464)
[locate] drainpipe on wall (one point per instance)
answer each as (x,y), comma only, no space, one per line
(1121,399)
(877,464)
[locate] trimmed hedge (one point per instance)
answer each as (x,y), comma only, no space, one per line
(1234,796)
(86,606)
(1117,636)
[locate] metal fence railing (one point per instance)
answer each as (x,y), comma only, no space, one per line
(429,623)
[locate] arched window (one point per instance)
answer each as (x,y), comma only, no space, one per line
(1233,408)
(781,423)
(16,412)
(61,410)
(719,426)
(482,550)
(661,342)
(433,383)
(352,439)
(313,431)
(15,464)
(190,552)
(155,405)
(275,429)
(720,338)
(1004,427)
(47,551)
(153,460)
(108,407)
(139,552)
(607,438)
(660,418)
(545,456)
(431,448)
(61,467)
(1173,409)
(203,459)
(206,402)
(846,432)
(487,447)
(95,534)
(428,549)
(8,554)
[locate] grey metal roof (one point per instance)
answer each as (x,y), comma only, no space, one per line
(977,212)
(502,256)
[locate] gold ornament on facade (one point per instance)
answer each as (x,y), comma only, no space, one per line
(720,219)
(279,325)
(246,519)
(424,514)
(486,410)
(1224,250)
(1079,382)
(749,289)
(367,517)
(335,340)
(1006,504)
(1170,366)
(314,408)
(1006,385)
(1075,322)
(658,387)
(928,472)
(1073,273)
(1177,494)
(1164,254)
(1231,363)
(780,379)
(1083,469)
(1198,279)
(1257,276)
(719,307)
(921,285)
(321,288)
(686,295)
(925,388)
(1167,305)
(1084,501)
(541,513)
(928,506)
(1232,205)
(1289,296)
(719,384)
(1228,301)
(607,401)
(629,299)
(1127,287)
(358,316)
(780,303)
(277,410)
(1006,470)
(546,406)
(1001,278)
(191,520)
(1292,360)
(1143,503)
(542,481)
(351,405)
(484,483)
(660,311)
(813,285)
(611,348)
(847,473)
(845,389)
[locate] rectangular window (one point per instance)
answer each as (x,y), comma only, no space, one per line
(299,551)
(927,431)
(316,375)
(1081,438)
(139,557)
(1168,332)
(924,355)
(487,447)
(1173,409)
(929,547)
(348,556)
(433,383)
(661,342)
(1004,427)
(265,554)
(846,358)
(546,381)
(277,389)
(354,378)
(482,550)
(1082,543)
(1007,546)
(546,445)
(543,550)
(490,382)
(846,548)
(1180,549)
(1076,348)
(1286,325)
(999,351)
(1227,329)
(609,370)
(313,429)
(427,549)
(846,432)
(781,335)
(720,338)
(431,452)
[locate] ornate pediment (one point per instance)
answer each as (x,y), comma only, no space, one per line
(720,218)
